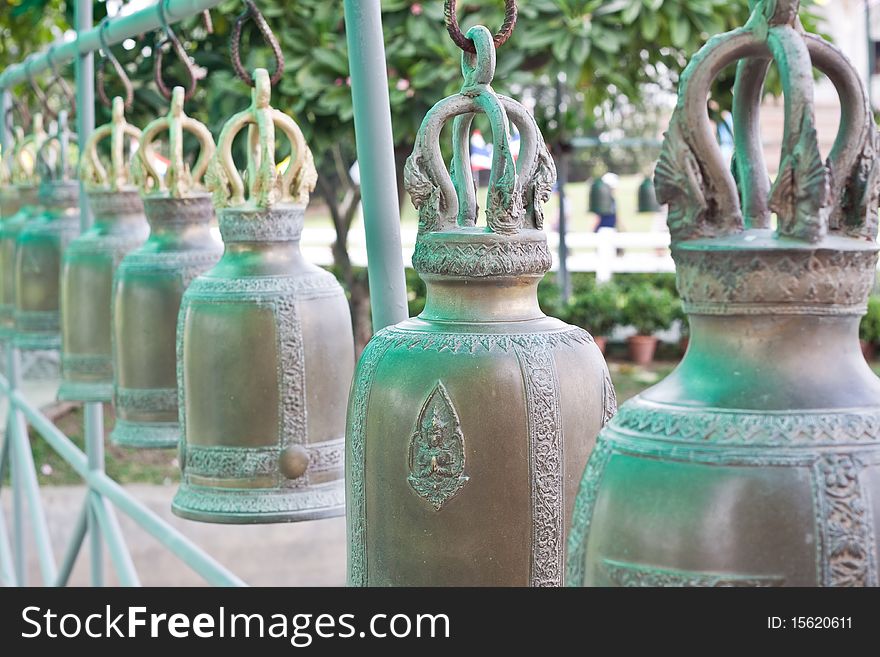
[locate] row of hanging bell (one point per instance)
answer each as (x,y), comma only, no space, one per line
(469,426)
(265,344)
(757,461)
(24,188)
(90,261)
(41,241)
(151,279)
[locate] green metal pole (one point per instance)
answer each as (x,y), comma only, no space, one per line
(93,425)
(112,533)
(18,542)
(93,422)
(375,149)
(7,574)
(75,545)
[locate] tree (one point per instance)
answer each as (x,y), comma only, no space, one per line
(608,50)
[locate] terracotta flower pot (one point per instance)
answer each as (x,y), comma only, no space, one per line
(642,348)
(868,350)
(601,342)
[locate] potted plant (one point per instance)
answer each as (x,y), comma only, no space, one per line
(869,329)
(648,309)
(597,309)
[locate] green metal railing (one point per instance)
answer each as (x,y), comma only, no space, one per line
(97,520)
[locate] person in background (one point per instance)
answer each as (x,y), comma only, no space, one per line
(609,220)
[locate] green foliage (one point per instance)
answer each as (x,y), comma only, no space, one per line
(597,309)
(869,329)
(649,309)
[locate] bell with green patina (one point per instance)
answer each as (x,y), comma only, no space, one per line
(91,259)
(24,186)
(10,199)
(150,281)
(601,197)
(265,345)
(757,461)
(469,424)
(41,243)
(648,197)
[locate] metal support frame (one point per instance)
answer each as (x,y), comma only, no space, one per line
(375,149)
(97,519)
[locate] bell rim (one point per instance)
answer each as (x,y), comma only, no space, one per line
(145,435)
(221,515)
(81,391)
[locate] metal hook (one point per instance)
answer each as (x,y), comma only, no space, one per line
(39,93)
(180,51)
(251,12)
(66,89)
(117,66)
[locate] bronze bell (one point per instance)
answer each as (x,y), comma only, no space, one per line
(25,184)
(91,259)
(41,242)
(10,200)
(757,461)
(469,424)
(150,282)
(601,197)
(265,345)
(648,196)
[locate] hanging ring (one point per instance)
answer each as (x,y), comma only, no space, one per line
(252,13)
(501,36)
(66,89)
(117,66)
(179,50)
(39,93)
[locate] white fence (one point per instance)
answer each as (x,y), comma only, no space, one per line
(606,252)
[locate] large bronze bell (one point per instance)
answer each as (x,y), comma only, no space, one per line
(91,259)
(41,242)
(150,282)
(469,425)
(265,345)
(25,185)
(757,461)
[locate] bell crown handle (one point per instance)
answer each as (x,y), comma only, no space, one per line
(265,186)
(517,190)
(55,158)
(692,176)
(118,174)
(179,180)
(24,158)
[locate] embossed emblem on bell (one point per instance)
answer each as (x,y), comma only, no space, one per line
(265,344)
(469,425)
(25,185)
(92,258)
(757,461)
(41,242)
(150,281)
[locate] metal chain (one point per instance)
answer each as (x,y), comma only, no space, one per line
(501,36)
(117,66)
(179,50)
(252,13)
(66,89)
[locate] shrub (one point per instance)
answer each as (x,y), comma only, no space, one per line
(869,329)
(649,309)
(597,309)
